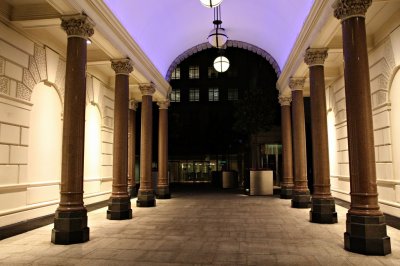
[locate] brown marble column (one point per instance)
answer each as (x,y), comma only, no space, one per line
(119,204)
(287,155)
(146,197)
(163,182)
(132,148)
(322,202)
(301,193)
(365,225)
(70,221)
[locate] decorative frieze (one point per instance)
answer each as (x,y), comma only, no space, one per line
(60,77)
(122,66)
(297,84)
(315,56)
(28,80)
(2,65)
(77,26)
(147,88)
(345,9)
(285,100)
(163,104)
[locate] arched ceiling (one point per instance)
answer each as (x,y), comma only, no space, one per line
(165,29)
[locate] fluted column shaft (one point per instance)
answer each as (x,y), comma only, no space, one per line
(70,222)
(163,182)
(146,197)
(287,154)
(301,193)
(365,225)
(132,148)
(322,202)
(119,205)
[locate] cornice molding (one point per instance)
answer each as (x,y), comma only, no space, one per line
(315,56)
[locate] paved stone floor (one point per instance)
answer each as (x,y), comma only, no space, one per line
(200,228)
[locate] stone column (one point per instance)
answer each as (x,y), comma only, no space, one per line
(146,197)
(132,148)
(287,155)
(301,193)
(163,182)
(119,204)
(365,225)
(70,221)
(322,202)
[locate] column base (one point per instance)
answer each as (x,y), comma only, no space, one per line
(163,193)
(145,199)
(132,192)
(119,209)
(286,193)
(301,200)
(366,235)
(70,227)
(323,211)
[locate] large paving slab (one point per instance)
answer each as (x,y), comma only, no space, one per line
(200,228)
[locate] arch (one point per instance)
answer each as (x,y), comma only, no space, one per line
(230,43)
(395,121)
(45,135)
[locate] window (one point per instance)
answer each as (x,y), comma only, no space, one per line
(212,73)
(194,72)
(233,94)
(176,96)
(194,95)
(213,94)
(176,74)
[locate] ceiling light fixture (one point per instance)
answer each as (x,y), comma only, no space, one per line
(211,3)
(217,37)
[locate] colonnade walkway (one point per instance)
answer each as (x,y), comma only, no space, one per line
(200,227)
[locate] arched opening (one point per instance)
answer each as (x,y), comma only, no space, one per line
(45,135)
(92,162)
(395,123)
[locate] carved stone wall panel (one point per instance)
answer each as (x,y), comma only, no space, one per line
(389,55)
(34,70)
(4,85)
(23,92)
(40,59)
(2,65)
(60,78)
(28,80)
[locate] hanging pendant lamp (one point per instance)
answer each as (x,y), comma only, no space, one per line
(217,37)
(211,3)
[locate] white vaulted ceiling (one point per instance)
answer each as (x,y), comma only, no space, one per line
(164,29)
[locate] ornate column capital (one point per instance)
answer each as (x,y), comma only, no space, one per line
(122,66)
(147,88)
(297,84)
(77,26)
(315,56)
(285,100)
(164,104)
(133,104)
(344,9)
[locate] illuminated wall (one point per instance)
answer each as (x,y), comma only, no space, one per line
(384,61)
(32,79)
